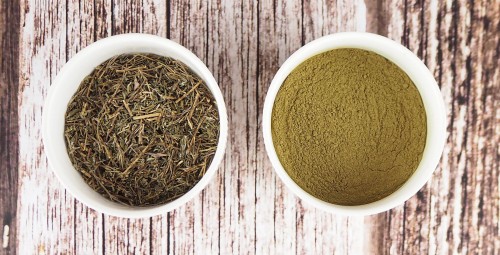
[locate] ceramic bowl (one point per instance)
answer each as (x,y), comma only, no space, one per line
(66,84)
(426,85)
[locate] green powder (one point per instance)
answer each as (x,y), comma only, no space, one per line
(349,126)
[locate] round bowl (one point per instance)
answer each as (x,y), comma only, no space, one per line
(65,85)
(427,87)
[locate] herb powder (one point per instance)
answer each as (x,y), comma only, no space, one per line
(349,126)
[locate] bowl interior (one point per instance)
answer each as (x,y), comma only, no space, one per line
(418,73)
(66,84)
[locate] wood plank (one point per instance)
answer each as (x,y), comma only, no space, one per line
(43,206)
(9,85)
(265,179)
(187,225)
(232,60)
(85,23)
(457,211)
(247,106)
(477,94)
(133,236)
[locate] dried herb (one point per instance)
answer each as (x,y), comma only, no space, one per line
(142,129)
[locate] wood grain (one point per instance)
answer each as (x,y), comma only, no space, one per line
(44,204)
(9,83)
(457,212)
(246,209)
(87,223)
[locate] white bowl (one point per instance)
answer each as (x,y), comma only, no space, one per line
(426,85)
(66,84)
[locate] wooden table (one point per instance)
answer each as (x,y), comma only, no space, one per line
(246,209)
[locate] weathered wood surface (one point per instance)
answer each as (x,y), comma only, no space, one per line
(246,209)
(458,210)
(9,84)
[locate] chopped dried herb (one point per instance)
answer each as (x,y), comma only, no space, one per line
(142,129)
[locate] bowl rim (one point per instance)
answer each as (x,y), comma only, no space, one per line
(52,140)
(428,90)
